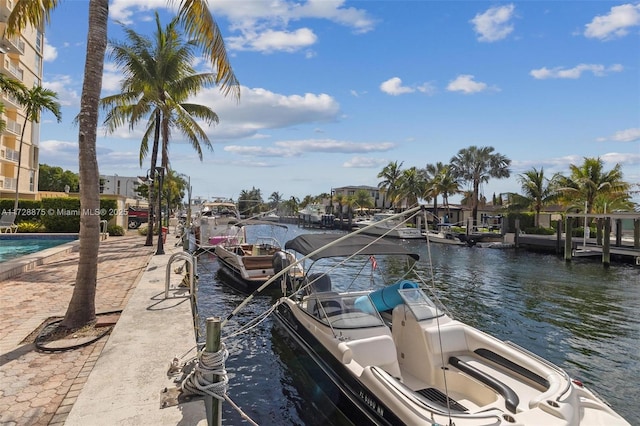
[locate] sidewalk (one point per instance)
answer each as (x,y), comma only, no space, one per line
(39,388)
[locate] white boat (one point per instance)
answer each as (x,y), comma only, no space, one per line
(316,214)
(444,235)
(245,265)
(388,225)
(389,354)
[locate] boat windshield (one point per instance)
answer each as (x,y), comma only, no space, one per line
(348,310)
(419,303)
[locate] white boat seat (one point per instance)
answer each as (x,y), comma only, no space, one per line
(379,351)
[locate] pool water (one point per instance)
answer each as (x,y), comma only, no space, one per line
(13,248)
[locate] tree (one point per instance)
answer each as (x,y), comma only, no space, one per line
(33,101)
(362,198)
(200,24)
(53,178)
(250,202)
(476,165)
(12,87)
(433,174)
(537,190)
(391,179)
(588,182)
(410,186)
(275,199)
(158,81)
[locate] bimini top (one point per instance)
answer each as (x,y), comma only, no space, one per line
(360,244)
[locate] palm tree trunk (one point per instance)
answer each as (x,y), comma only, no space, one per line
(15,203)
(152,198)
(82,309)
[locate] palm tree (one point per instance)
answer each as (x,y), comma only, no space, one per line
(410,186)
(476,165)
(340,199)
(447,184)
(158,80)
(537,190)
(275,199)
(389,186)
(432,176)
(33,101)
(12,87)
(199,24)
(588,181)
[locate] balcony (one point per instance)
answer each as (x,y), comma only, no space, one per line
(13,127)
(9,154)
(12,45)
(12,68)
(9,183)
(10,101)
(6,6)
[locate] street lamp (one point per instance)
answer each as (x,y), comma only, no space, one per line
(160,249)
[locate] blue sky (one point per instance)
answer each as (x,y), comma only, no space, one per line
(332,91)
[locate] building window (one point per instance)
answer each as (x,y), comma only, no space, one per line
(118,186)
(32,181)
(39,37)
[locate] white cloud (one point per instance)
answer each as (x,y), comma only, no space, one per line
(365,163)
(465,83)
(616,24)
(271,41)
(627,135)
(49,53)
(261,25)
(297,148)
(494,24)
(62,85)
(394,87)
(575,72)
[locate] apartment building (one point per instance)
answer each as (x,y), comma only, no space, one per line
(21,59)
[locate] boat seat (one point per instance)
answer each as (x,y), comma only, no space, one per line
(324,304)
(379,351)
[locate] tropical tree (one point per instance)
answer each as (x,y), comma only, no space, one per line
(410,186)
(33,101)
(389,185)
(275,199)
(12,87)
(447,184)
(158,80)
(199,24)
(291,205)
(362,198)
(54,178)
(433,175)
(537,190)
(250,202)
(589,182)
(476,165)
(340,199)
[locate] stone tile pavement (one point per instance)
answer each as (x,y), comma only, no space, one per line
(38,388)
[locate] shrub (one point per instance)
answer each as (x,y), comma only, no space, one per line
(539,231)
(115,230)
(31,226)
(63,214)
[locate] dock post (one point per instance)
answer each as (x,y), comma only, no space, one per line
(516,236)
(599,225)
(618,232)
(213,406)
(636,234)
(558,236)
(567,239)
(606,243)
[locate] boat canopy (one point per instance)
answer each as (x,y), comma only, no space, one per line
(361,244)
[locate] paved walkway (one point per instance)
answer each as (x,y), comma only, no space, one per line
(39,388)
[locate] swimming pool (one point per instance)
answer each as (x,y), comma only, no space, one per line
(14,246)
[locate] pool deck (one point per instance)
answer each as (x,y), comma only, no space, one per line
(115,380)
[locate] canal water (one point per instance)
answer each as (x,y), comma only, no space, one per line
(579,315)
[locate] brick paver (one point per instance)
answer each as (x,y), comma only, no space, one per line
(39,388)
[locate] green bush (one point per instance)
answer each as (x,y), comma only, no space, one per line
(63,214)
(31,226)
(115,230)
(28,210)
(539,231)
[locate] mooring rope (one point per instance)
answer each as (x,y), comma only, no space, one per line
(210,364)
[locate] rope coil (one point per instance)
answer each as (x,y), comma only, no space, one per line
(211,364)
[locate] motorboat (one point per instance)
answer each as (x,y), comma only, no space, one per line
(380,345)
(444,235)
(315,214)
(245,265)
(388,225)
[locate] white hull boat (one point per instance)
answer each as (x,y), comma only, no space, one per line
(388,225)
(390,354)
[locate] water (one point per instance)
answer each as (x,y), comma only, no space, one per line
(12,248)
(578,315)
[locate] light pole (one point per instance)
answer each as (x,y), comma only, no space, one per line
(160,249)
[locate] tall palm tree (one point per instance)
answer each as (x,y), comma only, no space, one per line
(589,180)
(476,165)
(9,86)
(158,80)
(33,101)
(390,176)
(199,24)
(411,186)
(537,190)
(447,184)
(275,199)
(433,174)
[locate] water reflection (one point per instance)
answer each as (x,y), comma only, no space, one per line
(578,315)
